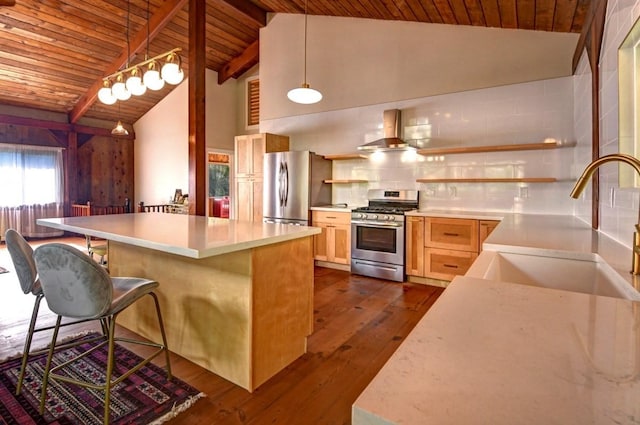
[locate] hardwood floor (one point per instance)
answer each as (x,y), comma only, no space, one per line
(358,323)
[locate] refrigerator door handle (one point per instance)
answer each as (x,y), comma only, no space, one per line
(286,190)
(283,183)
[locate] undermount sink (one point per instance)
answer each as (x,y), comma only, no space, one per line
(589,277)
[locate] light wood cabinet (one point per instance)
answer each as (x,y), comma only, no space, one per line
(333,245)
(451,245)
(486,227)
(442,248)
(249,157)
(415,246)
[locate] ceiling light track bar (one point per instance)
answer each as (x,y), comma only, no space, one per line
(143,63)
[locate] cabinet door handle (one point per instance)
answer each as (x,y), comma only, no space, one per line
(451,266)
(451,234)
(330,216)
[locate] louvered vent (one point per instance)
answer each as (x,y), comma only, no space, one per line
(253,102)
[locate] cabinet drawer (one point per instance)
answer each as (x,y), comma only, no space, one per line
(446,264)
(451,233)
(331,217)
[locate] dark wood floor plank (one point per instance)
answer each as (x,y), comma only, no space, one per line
(359,322)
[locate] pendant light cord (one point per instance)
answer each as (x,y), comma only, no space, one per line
(305,41)
(128,48)
(147,54)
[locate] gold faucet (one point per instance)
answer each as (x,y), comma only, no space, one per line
(582,183)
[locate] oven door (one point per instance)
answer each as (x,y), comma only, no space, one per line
(378,241)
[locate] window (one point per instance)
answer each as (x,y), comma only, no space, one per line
(253,102)
(218,175)
(30,175)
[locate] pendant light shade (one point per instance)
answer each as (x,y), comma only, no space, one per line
(134,82)
(119,130)
(119,88)
(105,94)
(305,94)
(172,71)
(152,77)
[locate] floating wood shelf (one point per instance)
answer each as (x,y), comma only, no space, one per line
(346,156)
(496,180)
(493,148)
(345,181)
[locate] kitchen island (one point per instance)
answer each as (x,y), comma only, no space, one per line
(236,297)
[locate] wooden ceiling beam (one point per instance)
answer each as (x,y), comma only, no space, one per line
(7,2)
(250,10)
(156,23)
(56,126)
(240,63)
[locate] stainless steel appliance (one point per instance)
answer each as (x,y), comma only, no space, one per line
(293,183)
(378,234)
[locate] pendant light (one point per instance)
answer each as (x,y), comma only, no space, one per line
(305,94)
(119,130)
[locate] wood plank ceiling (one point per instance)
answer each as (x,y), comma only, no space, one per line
(54,53)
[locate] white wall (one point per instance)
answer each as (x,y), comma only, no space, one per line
(358,62)
(161,148)
(618,207)
(520,113)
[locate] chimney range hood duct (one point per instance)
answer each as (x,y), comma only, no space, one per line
(392,128)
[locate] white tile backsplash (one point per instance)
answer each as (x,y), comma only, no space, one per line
(521,113)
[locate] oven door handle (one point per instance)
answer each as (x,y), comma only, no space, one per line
(377,224)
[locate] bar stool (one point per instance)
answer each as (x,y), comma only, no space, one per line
(76,286)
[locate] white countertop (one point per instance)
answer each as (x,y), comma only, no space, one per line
(446,213)
(503,353)
(187,235)
(332,208)
(499,353)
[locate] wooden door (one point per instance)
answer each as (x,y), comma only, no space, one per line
(341,244)
(244,199)
(320,245)
(244,156)
(415,246)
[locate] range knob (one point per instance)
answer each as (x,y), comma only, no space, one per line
(373,216)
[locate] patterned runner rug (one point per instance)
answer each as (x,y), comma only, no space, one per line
(146,397)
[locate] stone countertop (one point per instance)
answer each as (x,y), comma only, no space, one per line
(335,208)
(502,353)
(444,213)
(499,353)
(187,235)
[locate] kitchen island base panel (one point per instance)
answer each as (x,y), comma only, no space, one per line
(243,315)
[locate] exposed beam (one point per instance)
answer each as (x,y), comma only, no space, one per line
(156,23)
(197,106)
(7,2)
(240,63)
(60,126)
(250,10)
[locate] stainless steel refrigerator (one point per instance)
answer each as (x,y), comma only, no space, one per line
(293,183)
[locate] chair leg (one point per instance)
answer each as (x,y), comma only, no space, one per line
(47,368)
(162,332)
(27,342)
(107,383)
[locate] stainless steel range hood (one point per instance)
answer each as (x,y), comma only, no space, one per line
(392,128)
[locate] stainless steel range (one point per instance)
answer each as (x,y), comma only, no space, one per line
(378,234)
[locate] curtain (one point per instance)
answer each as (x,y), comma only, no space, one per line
(31,188)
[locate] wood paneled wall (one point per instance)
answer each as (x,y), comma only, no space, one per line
(105,171)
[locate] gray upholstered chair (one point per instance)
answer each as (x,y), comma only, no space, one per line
(75,286)
(22,257)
